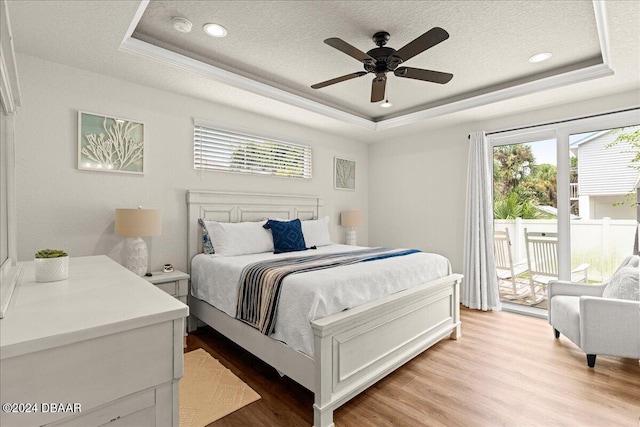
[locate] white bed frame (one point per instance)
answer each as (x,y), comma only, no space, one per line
(353,349)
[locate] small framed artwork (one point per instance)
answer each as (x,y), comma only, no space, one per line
(110,144)
(344,174)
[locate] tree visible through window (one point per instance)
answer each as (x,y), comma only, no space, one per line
(217,149)
(520,184)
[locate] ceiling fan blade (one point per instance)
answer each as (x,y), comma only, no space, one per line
(377,89)
(339,79)
(425,75)
(427,40)
(353,52)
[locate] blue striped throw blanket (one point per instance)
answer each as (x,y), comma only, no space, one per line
(260,282)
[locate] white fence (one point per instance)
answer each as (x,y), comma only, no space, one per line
(601,243)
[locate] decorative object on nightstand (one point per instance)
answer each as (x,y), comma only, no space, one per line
(135,224)
(350,220)
(51,265)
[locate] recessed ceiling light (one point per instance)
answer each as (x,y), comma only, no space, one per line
(215,30)
(386,104)
(540,57)
(181,24)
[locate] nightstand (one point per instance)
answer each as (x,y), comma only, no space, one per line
(175,284)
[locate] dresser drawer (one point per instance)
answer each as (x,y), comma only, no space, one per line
(176,288)
(113,413)
(143,418)
(171,288)
(175,283)
(91,372)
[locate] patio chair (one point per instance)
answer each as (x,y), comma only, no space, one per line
(506,269)
(542,259)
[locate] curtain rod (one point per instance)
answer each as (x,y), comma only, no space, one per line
(560,121)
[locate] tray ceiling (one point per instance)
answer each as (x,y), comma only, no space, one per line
(276,49)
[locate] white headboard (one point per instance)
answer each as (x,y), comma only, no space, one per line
(238,207)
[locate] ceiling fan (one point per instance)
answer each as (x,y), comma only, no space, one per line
(381,60)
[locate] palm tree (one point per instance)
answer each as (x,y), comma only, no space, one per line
(512,207)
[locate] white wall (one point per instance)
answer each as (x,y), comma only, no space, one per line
(614,207)
(417,192)
(418,182)
(60,206)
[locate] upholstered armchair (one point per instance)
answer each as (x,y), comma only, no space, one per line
(600,318)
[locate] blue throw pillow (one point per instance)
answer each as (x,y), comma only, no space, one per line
(207,245)
(287,235)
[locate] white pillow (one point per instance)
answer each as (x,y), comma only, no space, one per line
(316,232)
(624,285)
(239,238)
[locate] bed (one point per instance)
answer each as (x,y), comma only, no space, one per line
(351,349)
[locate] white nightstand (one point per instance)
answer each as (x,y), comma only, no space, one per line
(175,284)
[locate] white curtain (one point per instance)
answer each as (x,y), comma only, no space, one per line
(480,284)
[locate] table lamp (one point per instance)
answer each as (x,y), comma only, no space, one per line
(351,219)
(135,224)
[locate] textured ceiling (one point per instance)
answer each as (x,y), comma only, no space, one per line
(281,44)
(88,35)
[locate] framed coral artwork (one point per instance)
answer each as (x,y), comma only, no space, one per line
(110,144)
(344,172)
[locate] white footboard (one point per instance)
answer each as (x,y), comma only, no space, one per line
(358,347)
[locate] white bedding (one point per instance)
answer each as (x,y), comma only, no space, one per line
(313,295)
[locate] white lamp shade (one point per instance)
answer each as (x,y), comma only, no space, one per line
(138,222)
(352,218)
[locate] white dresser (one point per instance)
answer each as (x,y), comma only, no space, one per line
(103,347)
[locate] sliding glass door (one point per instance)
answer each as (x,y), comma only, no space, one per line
(525,205)
(604,176)
(565,194)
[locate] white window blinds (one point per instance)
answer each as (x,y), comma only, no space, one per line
(223,150)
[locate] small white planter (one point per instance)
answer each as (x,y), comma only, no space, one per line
(52,269)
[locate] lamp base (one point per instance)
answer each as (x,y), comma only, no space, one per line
(351,236)
(136,256)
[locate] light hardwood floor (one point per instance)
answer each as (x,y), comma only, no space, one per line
(506,370)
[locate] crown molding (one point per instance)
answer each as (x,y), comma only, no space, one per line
(218,74)
(132,45)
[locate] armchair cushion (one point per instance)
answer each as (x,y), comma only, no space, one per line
(624,284)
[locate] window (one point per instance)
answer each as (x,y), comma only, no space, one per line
(575,181)
(237,151)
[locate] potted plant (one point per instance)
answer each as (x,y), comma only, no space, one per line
(51,265)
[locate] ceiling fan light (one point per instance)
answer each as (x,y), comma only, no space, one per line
(540,57)
(386,104)
(215,30)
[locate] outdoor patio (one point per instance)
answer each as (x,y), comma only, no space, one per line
(600,245)
(523,289)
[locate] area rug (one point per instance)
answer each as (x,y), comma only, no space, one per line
(209,391)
